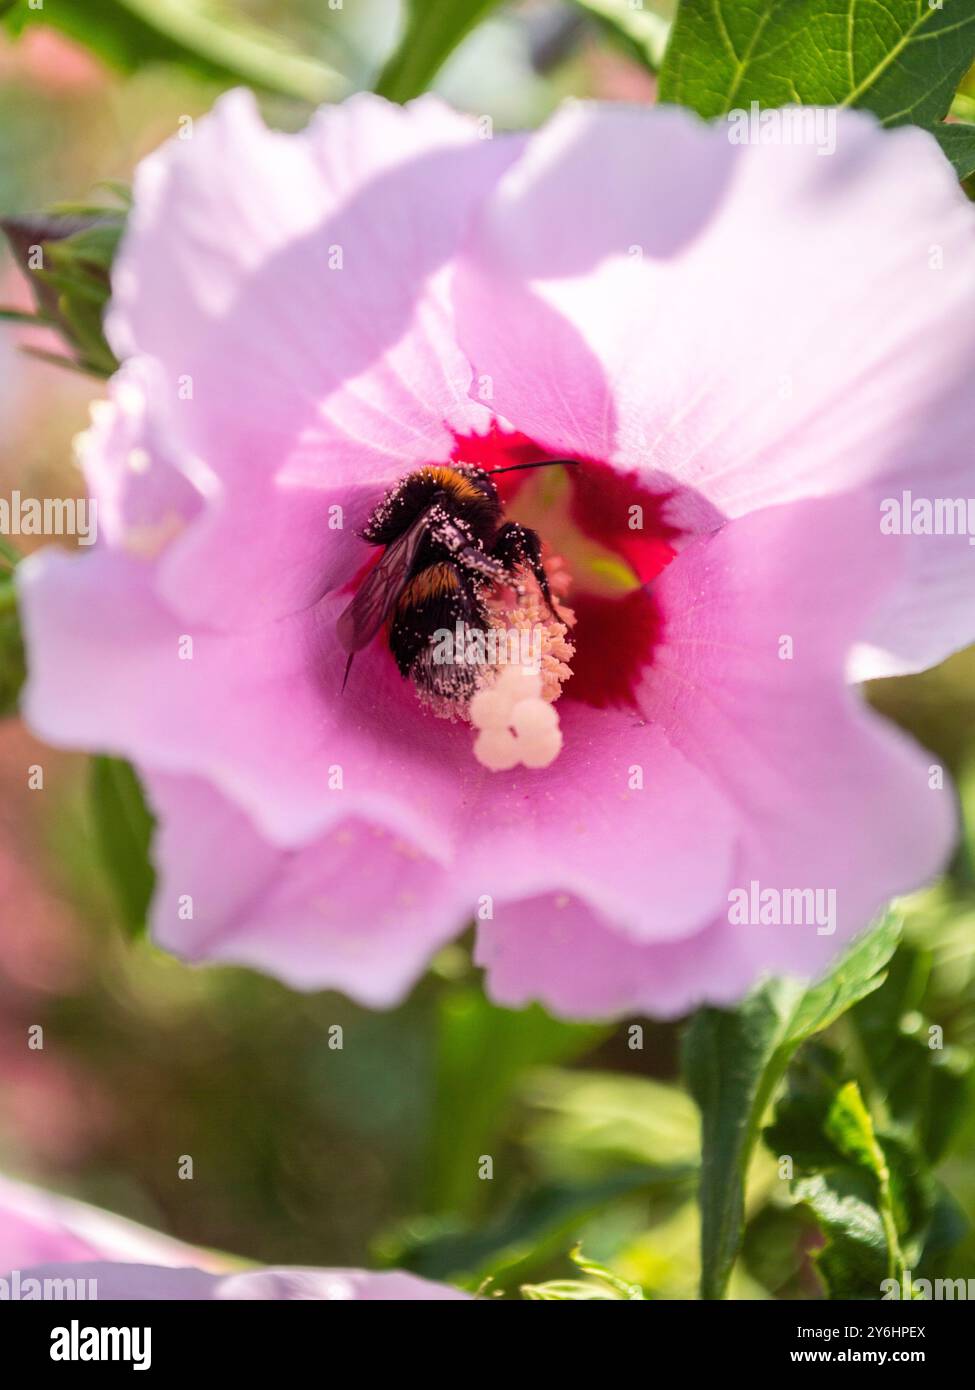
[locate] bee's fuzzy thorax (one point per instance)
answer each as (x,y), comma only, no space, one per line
(469,492)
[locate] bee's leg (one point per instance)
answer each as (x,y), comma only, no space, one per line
(520,545)
(464,554)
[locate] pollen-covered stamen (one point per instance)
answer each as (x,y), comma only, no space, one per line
(528,626)
(521,633)
(516,724)
(514,710)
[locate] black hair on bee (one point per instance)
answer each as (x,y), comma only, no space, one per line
(446,544)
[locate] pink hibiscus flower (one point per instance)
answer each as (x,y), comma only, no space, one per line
(43,1236)
(745,352)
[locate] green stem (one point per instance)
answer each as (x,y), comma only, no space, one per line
(895,1256)
(433,29)
(244,52)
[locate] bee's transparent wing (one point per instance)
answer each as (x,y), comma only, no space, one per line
(382,586)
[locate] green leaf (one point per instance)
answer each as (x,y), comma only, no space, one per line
(734,1061)
(798,1128)
(594,1270)
(958,143)
(512,1244)
(869,1193)
(901,59)
(946,1229)
(207,40)
(433,30)
(644,30)
(849,1126)
(67,260)
(858,973)
(853,1261)
(603,1285)
(569,1291)
(123,829)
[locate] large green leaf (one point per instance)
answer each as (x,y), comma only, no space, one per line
(205,39)
(123,828)
(901,59)
(958,143)
(433,30)
(734,1061)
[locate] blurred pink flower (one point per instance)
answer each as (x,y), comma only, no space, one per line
(47,1237)
(38,1227)
(51,61)
(41,951)
(747,347)
(54,1111)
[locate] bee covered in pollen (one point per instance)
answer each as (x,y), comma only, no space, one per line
(450,564)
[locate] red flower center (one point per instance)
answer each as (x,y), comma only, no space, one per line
(610,531)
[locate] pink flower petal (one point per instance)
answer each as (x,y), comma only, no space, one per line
(318,918)
(748,684)
(38,1227)
(620,819)
(757,361)
(929,613)
(260,713)
(141,1283)
(44,1236)
(313,384)
(555,949)
(743,320)
(577,826)
(136,477)
(827,795)
(358,909)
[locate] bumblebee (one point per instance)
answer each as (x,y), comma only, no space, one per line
(446,545)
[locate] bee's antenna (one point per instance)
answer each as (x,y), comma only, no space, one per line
(544,463)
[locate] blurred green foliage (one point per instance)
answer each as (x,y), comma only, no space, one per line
(66,258)
(12,669)
(206,40)
(123,827)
